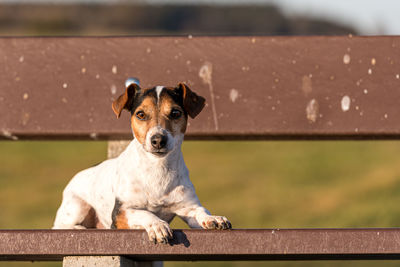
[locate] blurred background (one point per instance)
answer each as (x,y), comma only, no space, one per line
(277,184)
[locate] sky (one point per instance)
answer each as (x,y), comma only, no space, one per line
(369,17)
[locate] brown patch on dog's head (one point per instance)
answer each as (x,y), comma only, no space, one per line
(125,101)
(144,117)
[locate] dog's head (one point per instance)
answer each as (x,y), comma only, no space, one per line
(159,115)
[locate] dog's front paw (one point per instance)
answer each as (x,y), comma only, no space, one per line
(216,222)
(159,232)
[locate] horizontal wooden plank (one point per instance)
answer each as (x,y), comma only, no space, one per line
(256,87)
(256,244)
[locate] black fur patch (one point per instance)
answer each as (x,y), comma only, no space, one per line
(174,93)
(115,213)
(140,96)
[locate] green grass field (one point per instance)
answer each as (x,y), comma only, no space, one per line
(254,184)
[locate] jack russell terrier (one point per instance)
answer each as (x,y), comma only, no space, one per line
(148,184)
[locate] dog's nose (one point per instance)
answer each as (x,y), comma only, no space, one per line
(159,141)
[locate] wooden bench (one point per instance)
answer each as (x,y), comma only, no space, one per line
(257,88)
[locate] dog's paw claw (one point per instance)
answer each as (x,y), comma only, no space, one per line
(216,222)
(159,232)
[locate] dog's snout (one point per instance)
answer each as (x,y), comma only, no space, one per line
(158,141)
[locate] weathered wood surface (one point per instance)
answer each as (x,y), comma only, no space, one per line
(261,244)
(256,87)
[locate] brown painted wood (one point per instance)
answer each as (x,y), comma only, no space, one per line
(256,87)
(255,244)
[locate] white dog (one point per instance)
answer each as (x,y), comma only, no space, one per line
(148,184)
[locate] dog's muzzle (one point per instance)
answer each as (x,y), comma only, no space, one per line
(159,141)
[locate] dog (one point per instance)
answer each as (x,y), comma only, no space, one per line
(148,184)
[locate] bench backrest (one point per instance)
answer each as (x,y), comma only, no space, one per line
(256,87)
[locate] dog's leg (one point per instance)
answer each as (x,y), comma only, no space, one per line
(157,229)
(197,216)
(71,213)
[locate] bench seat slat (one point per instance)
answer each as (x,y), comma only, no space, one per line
(250,244)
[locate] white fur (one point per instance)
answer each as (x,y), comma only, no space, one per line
(159,90)
(152,189)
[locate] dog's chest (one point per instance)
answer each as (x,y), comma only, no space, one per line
(156,191)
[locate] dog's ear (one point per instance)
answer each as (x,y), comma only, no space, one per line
(192,103)
(125,101)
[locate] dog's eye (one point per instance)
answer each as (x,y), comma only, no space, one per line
(175,114)
(140,115)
